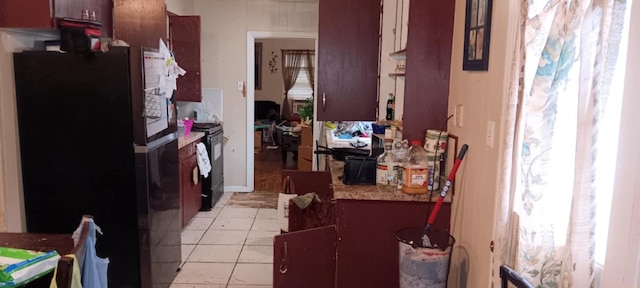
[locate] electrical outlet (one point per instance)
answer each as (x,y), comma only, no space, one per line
(240,85)
(491,126)
(458,115)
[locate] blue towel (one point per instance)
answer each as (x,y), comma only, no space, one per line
(94,271)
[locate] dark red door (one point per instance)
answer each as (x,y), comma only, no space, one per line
(348,54)
(184,34)
(305,259)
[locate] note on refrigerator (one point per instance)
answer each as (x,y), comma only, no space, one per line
(154,64)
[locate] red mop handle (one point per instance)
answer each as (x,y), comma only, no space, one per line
(447,185)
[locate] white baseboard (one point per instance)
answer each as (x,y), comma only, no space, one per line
(237,189)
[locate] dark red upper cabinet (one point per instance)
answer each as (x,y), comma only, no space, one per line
(184,35)
(426,96)
(348,53)
(42,14)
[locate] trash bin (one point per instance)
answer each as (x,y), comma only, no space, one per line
(424,264)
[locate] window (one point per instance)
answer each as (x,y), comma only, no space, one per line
(302,88)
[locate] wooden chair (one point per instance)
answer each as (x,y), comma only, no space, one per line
(65,264)
(508,275)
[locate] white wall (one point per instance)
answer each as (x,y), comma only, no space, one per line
(272,83)
(180,7)
(11,202)
(224,60)
(482,95)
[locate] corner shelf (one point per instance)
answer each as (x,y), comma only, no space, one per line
(399,55)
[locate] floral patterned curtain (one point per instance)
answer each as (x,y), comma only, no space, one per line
(566,57)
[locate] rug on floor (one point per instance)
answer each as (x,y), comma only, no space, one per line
(255,199)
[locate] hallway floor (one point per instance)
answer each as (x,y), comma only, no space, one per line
(229,246)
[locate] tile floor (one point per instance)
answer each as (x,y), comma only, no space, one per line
(228,247)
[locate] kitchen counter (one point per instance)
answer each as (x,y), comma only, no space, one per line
(373,192)
(193,136)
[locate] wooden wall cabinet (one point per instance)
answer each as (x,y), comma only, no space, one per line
(184,38)
(190,190)
(428,60)
(348,55)
(43,14)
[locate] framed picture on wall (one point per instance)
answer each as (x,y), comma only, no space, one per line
(297,106)
(258,65)
(477,30)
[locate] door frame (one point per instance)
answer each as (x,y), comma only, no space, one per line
(250,86)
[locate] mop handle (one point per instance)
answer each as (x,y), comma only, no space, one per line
(447,185)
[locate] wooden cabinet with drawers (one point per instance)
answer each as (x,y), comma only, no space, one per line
(190,182)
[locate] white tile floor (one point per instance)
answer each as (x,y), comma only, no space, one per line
(228,247)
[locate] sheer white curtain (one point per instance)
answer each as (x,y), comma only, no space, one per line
(566,57)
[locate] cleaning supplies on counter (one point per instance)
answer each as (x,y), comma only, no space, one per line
(387,166)
(415,170)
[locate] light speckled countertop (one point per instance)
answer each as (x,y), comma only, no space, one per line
(371,192)
(193,136)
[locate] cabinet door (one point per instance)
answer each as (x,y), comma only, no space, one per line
(305,259)
(103,9)
(37,13)
(348,55)
(191,191)
(184,34)
(428,66)
(368,249)
(318,214)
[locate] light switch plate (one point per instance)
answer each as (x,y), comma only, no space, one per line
(491,126)
(459,115)
(240,85)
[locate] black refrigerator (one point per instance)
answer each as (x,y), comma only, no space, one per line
(87,148)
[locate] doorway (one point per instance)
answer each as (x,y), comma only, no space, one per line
(271,89)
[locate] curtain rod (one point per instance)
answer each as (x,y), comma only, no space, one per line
(298,50)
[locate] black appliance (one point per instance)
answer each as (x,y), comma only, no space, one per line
(212,186)
(85,150)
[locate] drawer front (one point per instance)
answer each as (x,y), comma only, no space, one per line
(188,150)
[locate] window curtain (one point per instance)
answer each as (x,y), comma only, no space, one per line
(310,71)
(563,64)
(291,64)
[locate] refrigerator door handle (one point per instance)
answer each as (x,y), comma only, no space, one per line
(155,144)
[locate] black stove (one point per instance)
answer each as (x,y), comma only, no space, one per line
(212,186)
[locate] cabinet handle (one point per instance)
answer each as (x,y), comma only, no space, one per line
(324,100)
(283,263)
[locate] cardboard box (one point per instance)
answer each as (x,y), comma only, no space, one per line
(305,158)
(306,136)
(257,141)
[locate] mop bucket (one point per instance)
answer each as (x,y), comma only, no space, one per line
(424,264)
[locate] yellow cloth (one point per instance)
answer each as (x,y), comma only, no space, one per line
(76,280)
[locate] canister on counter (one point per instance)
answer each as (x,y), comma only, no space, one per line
(436,141)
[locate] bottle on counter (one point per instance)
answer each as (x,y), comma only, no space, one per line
(415,169)
(386,167)
(390,107)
